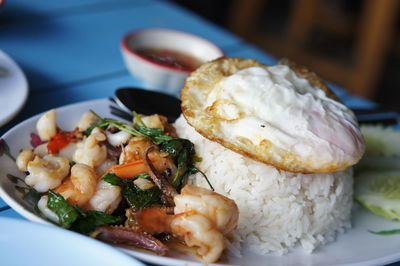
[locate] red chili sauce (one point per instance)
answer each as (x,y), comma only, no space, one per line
(170,58)
(60,141)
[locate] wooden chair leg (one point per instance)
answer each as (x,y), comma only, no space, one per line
(375,32)
(244,16)
(301,20)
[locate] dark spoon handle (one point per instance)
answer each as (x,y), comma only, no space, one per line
(149,102)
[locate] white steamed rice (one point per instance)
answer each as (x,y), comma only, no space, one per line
(278,209)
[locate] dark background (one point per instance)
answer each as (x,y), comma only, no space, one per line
(322,42)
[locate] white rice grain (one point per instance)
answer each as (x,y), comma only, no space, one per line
(278,210)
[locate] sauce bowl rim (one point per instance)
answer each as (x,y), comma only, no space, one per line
(130,51)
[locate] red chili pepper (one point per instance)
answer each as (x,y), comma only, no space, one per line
(59,141)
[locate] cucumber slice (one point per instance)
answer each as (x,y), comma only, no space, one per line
(381,141)
(382,149)
(379,192)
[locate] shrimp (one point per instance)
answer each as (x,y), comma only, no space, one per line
(155,121)
(104,166)
(201,218)
(106,198)
(47,172)
(46,125)
(80,186)
(199,231)
(89,151)
(87,119)
(41,150)
(222,211)
(136,150)
(195,229)
(119,138)
(24,157)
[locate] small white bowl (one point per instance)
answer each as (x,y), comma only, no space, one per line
(159,76)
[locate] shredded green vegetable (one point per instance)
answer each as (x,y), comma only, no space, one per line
(387,232)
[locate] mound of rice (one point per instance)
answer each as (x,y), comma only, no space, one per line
(278,209)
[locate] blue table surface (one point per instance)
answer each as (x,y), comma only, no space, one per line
(69,50)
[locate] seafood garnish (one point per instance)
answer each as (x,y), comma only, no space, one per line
(125,183)
(168,191)
(129,236)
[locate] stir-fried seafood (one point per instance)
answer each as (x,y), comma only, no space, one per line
(125,183)
(200,218)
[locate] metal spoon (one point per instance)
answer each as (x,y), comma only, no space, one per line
(148,102)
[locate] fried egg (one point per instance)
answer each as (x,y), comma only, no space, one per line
(280,115)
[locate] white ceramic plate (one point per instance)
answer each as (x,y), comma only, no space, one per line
(48,245)
(356,247)
(13,88)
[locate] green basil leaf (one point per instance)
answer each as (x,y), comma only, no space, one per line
(89,220)
(135,197)
(143,175)
(182,150)
(140,198)
(156,134)
(89,130)
(66,214)
(101,124)
(149,132)
(181,169)
(173,147)
(113,179)
(162,138)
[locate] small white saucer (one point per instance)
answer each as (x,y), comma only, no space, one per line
(13,88)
